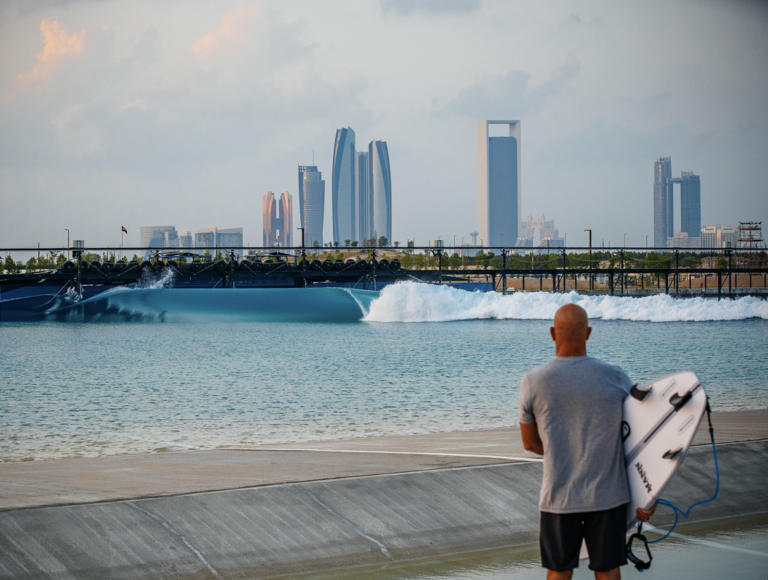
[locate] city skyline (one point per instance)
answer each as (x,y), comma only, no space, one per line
(166,237)
(108,110)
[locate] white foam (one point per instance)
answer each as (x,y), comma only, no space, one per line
(414,302)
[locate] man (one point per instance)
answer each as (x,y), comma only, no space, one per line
(571,412)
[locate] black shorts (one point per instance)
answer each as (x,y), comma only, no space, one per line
(604,532)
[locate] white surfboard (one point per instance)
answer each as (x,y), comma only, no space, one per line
(660,421)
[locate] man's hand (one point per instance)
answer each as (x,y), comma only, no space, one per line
(645,515)
(531,440)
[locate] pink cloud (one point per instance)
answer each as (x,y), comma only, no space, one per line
(229,35)
(59,44)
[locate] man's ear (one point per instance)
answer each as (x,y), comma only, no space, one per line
(552,333)
(589,331)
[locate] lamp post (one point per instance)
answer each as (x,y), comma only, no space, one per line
(454,242)
(590,258)
(646,242)
(565,240)
(625,239)
(67,243)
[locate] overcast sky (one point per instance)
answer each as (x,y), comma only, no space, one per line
(131,113)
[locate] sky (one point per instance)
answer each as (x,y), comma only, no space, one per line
(133,113)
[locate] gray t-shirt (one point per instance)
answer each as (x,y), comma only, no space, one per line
(577,405)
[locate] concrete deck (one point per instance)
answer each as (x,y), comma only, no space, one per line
(84,480)
(154,516)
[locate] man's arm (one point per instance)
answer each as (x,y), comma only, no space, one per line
(531,440)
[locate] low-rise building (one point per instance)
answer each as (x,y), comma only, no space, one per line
(719,236)
(682,240)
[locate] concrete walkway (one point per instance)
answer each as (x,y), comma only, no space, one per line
(84,480)
(310,510)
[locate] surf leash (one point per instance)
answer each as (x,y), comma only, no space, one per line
(677,511)
(643,565)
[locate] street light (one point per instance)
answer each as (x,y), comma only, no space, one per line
(590,258)
(625,239)
(565,242)
(646,242)
(302,237)
(454,241)
(67,243)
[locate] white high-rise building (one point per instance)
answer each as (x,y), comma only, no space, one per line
(498,184)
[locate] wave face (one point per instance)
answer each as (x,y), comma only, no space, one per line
(158,303)
(413,302)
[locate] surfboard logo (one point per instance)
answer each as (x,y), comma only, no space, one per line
(644,477)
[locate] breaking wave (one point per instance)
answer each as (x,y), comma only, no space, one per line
(413,302)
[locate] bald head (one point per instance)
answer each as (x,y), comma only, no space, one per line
(571,331)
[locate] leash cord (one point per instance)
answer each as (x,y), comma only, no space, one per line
(677,511)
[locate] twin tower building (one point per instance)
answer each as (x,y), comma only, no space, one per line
(361,199)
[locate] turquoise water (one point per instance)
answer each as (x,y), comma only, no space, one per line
(143,370)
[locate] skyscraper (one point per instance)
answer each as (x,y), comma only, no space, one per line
(663,203)
(343,186)
(690,204)
(499,195)
(311,204)
(274,224)
(663,207)
(363,196)
(380,184)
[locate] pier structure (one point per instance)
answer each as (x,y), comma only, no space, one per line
(722,273)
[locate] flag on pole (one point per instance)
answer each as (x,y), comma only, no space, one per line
(123,227)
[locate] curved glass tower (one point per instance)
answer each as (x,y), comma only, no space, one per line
(343,187)
(381,189)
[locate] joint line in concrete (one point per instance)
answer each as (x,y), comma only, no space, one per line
(381,546)
(170,529)
(379,452)
(707,543)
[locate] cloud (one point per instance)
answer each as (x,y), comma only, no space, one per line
(59,45)
(599,144)
(407,7)
(502,95)
(229,36)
